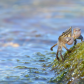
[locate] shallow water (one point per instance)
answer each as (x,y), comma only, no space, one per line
(28,28)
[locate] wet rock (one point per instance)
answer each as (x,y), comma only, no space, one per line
(71,71)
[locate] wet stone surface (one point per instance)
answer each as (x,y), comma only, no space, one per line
(28,28)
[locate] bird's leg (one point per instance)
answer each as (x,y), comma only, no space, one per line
(52,47)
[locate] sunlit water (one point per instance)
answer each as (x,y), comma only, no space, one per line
(28,28)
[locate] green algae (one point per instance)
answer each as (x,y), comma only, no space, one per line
(40,54)
(18,60)
(72,68)
(13,77)
(26,75)
(21,67)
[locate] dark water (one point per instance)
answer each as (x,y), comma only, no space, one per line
(28,28)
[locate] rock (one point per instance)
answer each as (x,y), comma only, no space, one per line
(71,71)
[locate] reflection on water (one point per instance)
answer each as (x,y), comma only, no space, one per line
(28,28)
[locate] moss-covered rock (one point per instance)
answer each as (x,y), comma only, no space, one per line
(71,71)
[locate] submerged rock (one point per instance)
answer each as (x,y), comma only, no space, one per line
(71,71)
